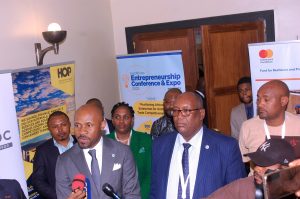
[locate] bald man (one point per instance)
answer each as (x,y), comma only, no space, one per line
(100,159)
(272,120)
(193,161)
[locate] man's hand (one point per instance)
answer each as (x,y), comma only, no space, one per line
(293,164)
(77,194)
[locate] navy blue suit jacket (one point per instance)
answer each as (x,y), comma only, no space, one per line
(220,163)
(43,175)
(11,189)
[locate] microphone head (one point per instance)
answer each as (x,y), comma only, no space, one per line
(78,182)
(108,190)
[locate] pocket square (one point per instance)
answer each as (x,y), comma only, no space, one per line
(116,166)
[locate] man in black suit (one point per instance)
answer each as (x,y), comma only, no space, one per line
(109,127)
(43,175)
(11,189)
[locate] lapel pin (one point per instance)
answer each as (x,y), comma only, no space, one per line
(206,146)
(113,155)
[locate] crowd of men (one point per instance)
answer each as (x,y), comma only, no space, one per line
(184,159)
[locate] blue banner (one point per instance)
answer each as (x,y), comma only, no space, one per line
(144,80)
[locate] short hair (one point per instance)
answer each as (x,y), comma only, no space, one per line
(57,113)
(244,80)
(281,85)
(199,98)
(122,104)
(95,101)
(171,90)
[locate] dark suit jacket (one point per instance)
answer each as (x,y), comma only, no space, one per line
(220,163)
(11,189)
(118,169)
(110,125)
(43,175)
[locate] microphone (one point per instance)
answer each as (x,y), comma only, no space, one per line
(82,183)
(109,191)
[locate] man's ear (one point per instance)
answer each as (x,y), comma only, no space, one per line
(284,100)
(202,113)
(103,124)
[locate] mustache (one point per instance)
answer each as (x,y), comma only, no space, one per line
(82,136)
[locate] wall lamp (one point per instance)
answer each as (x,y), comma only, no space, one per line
(54,36)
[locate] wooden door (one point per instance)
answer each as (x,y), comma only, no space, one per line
(180,39)
(226,59)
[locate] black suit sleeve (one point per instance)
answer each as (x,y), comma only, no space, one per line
(39,176)
(19,190)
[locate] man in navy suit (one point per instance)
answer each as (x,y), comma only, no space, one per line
(11,189)
(195,161)
(43,175)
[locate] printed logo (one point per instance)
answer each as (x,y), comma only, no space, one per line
(265,146)
(142,150)
(266,53)
(5,140)
(125,78)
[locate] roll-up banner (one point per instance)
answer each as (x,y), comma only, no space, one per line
(144,80)
(277,60)
(10,147)
(32,95)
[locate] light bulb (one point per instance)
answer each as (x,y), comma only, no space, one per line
(54,27)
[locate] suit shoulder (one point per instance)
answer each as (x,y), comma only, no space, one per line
(72,150)
(141,135)
(253,122)
(45,145)
(221,138)
(165,138)
(114,144)
(236,108)
(10,182)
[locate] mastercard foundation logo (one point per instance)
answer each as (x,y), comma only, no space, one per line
(266,53)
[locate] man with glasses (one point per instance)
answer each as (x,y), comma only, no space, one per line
(193,161)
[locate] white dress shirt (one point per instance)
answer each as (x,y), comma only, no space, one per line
(88,157)
(175,164)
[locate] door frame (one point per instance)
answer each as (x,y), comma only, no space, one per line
(267,16)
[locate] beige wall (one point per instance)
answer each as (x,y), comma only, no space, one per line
(95,25)
(136,12)
(89,41)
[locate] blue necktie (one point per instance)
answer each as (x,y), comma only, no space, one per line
(185,168)
(95,169)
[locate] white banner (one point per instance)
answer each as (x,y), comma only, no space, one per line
(276,60)
(144,80)
(10,149)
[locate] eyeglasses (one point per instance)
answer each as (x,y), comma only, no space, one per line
(184,112)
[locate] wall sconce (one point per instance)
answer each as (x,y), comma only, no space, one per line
(54,36)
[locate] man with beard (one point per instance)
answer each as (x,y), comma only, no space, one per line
(273,121)
(43,175)
(244,110)
(100,159)
(165,123)
(272,155)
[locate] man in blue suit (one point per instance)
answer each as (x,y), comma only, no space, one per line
(11,189)
(195,161)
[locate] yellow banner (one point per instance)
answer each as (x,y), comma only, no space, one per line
(34,125)
(149,108)
(62,77)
